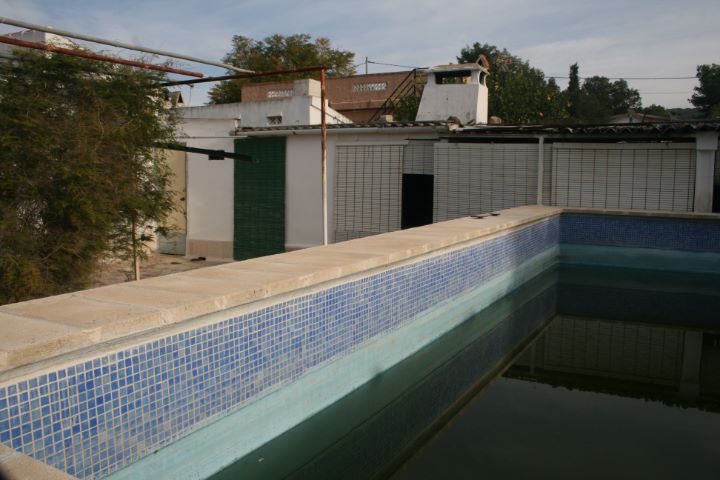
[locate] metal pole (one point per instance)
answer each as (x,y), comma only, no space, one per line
(89,38)
(366,65)
(323,148)
(241,75)
(94,56)
(540,169)
(136,260)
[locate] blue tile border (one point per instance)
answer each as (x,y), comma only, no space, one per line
(95,417)
(640,231)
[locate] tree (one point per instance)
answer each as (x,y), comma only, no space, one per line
(573,91)
(279,52)
(657,110)
(518,93)
(77,169)
(405,108)
(707,95)
(598,98)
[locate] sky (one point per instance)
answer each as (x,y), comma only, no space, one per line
(628,38)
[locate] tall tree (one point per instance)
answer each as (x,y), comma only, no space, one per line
(518,92)
(78,169)
(572,93)
(707,95)
(279,52)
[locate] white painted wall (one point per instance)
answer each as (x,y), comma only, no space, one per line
(707,147)
(303,191)
(209,182)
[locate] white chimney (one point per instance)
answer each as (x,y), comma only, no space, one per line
(456,91)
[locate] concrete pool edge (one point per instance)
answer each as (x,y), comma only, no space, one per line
(17,466)
(41,329)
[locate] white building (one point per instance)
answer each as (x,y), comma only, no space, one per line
(35,37)
(387,176)
(209,190)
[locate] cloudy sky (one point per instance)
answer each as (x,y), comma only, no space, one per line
(615,38)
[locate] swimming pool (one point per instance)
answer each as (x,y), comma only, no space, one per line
(579,371)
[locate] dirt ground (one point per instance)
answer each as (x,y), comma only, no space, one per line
(158,264)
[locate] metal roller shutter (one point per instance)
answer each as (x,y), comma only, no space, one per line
(625,176)
(368,189)
(479,178)
(418,157)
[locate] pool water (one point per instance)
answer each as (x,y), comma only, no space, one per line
(585,372)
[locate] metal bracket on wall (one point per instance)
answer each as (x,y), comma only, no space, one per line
(212,154)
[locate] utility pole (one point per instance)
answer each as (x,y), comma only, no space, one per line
(366,65)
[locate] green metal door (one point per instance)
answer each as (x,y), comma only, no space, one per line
(259,198)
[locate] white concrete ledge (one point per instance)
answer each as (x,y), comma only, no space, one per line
(39,330)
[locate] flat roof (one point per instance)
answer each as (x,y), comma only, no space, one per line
(666,128)
(430,124)
(456,131)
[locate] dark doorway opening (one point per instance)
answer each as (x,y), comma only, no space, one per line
(417,200)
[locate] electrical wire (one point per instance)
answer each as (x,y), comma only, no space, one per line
(626,78)
(394,65)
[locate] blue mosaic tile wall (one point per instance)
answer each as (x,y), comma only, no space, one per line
(642,232)
(97,416)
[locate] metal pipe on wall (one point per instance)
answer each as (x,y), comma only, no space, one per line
(239,76)
(94,56)
(323,148)
(112,43)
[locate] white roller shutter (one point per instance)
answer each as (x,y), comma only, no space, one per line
(625,176)
(368,188)
(472,178)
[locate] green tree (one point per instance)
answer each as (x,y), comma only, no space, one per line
(598,98)
(572,93)
(657,110)
(405,108)
(707,95)
(518,92)
(279,52)
(77,169)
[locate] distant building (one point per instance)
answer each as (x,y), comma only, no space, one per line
(358,97)
(637,117)
(36,37)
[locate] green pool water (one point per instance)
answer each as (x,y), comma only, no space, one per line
(580,373)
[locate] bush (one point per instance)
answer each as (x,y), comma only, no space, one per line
(77,168)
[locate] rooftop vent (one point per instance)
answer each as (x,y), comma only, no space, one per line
(456,91)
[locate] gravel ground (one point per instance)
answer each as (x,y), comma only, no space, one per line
(155,266)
